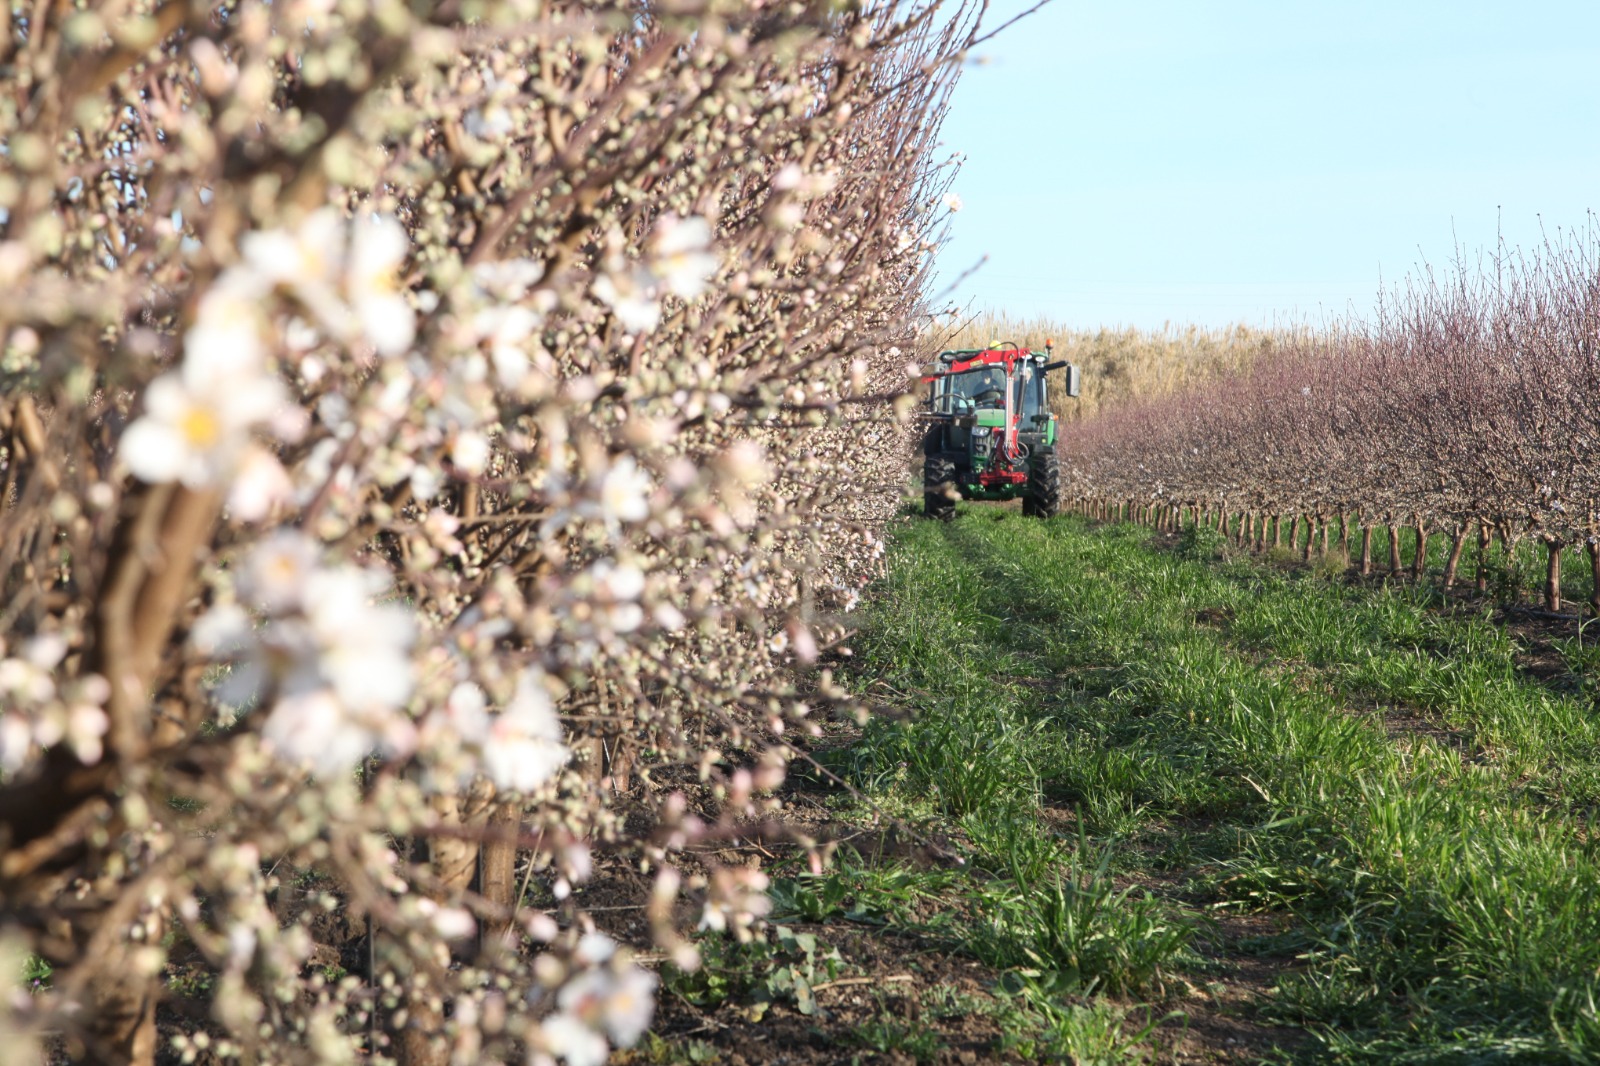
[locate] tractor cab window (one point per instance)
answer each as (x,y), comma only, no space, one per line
(977,388)
(1030,393)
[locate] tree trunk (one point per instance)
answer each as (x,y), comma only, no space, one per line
(1366,551)
(1277,531)
(1344,533)
(1323,522)
(1419,561)
(1484,537)
(497,866)
(124,1021)
(454,862)
(1458,541)
(1261,533)
(1552,575)
(1311,537)
(1294,533)
(1394,549)
(1593,548)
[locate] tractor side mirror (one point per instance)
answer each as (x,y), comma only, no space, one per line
(1074,376)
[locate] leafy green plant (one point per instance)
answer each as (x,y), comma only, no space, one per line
(656,1050)
(1080,930)
(1201,542)
(858,891)
(757,974)
(883,1034)
(36,973)
(1039,1024)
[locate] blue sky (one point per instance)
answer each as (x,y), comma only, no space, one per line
(1217,161)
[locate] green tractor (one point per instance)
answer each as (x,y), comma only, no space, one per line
(991,434)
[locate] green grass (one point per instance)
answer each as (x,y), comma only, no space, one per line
(1088,708)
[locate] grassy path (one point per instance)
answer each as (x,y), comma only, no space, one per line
(1206,811)
(1225,738)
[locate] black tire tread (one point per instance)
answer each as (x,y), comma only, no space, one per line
(938,487)
(1044,485)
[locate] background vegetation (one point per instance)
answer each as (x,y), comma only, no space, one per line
(1119,365)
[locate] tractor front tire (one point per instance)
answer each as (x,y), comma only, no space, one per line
(939,487)
(1044,486)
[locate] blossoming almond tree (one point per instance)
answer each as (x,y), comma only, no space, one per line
(432,435)
(1467,401)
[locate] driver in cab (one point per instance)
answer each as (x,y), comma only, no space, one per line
(985,388)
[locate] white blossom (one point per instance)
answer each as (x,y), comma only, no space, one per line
(377,248)
(682,259)
(573,1042)
(277,571)
(522,748)
(260,484)
(619,1003)
(631,297)
(470,452)
(623,494)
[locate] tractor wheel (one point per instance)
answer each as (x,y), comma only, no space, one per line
(1044,486)
(938,487)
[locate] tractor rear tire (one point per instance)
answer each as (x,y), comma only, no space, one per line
(1044,486)
(939,487)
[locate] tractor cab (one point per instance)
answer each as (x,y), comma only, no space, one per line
(964,393)
(991,432)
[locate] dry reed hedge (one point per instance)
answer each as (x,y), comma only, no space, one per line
(1119,365)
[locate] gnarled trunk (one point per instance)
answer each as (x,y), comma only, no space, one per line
(1394,548)
(1458,542)
(1593,550)
(1552,575)
(1419,561)
(1366,551)
(1484,537)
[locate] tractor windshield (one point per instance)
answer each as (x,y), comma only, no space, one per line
(983,388)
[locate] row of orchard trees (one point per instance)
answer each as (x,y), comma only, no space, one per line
(1469,404)
(431,434)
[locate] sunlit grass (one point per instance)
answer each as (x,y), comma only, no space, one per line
(1350,757)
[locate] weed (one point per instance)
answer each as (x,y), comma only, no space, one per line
(655,1050)
(885,1034)
(36,973)
(1039,1024)
(757,974)
(1079,928)
(857,891)
(191,984)
(1201,542)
